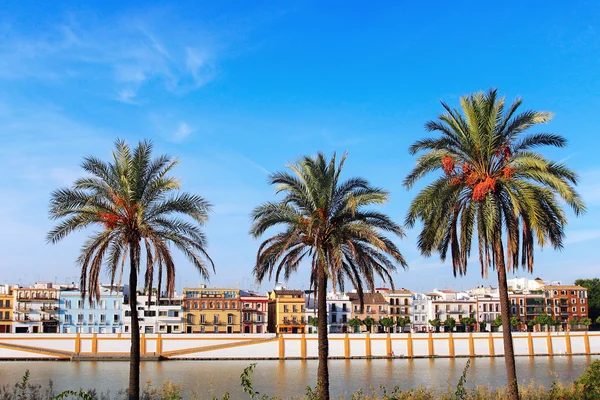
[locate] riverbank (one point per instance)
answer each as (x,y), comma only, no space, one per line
(290,378)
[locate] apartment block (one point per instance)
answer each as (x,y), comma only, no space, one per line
(36,309)
(254,309)
(375,306)
(565,303)
(7,303)
(286,311)
(211,310)
(78,315)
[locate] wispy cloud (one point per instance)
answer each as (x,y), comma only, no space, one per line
(130,56)
(582,235)
(182,132)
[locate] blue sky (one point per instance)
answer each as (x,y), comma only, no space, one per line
(238,90)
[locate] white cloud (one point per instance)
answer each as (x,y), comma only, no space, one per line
(582,236)
(182,132)
(127,95)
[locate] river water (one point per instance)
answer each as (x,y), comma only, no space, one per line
(281,378)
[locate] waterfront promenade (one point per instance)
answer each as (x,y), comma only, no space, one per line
(292,346)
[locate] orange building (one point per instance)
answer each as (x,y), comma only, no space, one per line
(565,303)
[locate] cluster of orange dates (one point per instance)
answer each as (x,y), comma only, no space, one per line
(481,184)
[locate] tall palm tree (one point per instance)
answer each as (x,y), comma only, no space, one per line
(492,184)
(132,201)
(326,223)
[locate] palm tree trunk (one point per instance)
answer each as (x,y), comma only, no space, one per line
(134,355)
(323,370)
(509,353)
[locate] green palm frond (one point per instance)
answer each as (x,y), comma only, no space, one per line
(135,204)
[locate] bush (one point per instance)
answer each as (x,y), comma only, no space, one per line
(589,381)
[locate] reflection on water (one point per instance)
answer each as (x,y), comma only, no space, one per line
(279,378)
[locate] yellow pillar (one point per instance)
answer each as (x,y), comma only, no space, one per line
(491,345)
(142,343)
(586,342)
(388,345)
(530,343)
(281,347)
(368,345)
(347,346)
(409,345)
(303,346)
(430,344)
(450,345)
(568,342)
(95,343)
(471,345)
(549,344)
(78,343)
(159,344)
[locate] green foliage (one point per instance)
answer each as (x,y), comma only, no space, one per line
(585,321)
(450,323)
(482,326)
(461,391)
(468,321)
(574,322)
(314,321)
(589,382)
(598,320)
(497,322)
(369,322)
(515,321)
(593,292)
(387,322)
(436,323)
(544,319)
(402,321)
(84,395)
(355,323)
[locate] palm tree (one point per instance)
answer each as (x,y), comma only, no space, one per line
(492,184)
(131,200)
(324,221)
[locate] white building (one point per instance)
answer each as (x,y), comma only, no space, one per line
(339,312)
(448,303)
(525,284)
(419,310)
(164,317)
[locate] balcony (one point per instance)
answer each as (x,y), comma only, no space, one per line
(49,308)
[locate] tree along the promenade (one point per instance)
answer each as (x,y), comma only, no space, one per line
(326,224)
(355,323)
(401,322)
(492,185)
(449,324)
(313,321)
(136,207)
(369,322)
(387,323)
(436,323)
(593,293)
(515,322)
(468,322)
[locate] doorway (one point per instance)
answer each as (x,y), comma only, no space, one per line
(229,329)
(189,329)
(168,328)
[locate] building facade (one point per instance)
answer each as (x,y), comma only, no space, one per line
(400,305)
(565,303)
(420,308)
(36,309)
(7,303)
(375,306)
(254,309)
(211,310)
(162,315)
(448,303)
(77,315)
(286,311)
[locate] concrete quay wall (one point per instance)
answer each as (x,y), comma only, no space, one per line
(292,346)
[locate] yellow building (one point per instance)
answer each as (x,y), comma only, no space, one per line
(286,311)
(7,303)
(211,310)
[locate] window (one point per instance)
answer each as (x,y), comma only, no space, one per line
(344,308)
(128,313)
(334,318)
(259,306)
(1,303)
(333,308)
(7,303)
(91,318)
(573,301)
(259,318)
(103,304)
(202,329)
(225,305)
(216,319)
(196,305)
(6,315)
(115,317)
(79,304)
(368,309)
(582,309)
(203,305)
(286,309)
(176,314)
(202,318)
(102,318)
(582,301)
(233,304)
(380,309)
(162,313)
(230,319)
(574,309)
(80,318)
(115,304)
(355,308)
(216,329)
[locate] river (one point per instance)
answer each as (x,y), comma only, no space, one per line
(280,378)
